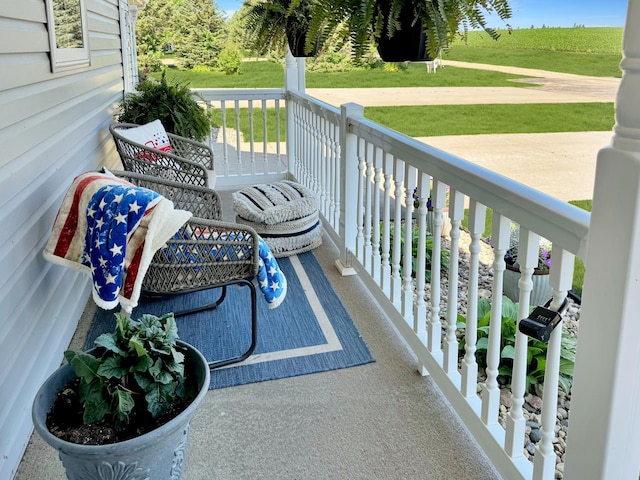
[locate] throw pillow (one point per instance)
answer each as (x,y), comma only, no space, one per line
(152,135)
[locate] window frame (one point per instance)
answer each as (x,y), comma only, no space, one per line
(68,58)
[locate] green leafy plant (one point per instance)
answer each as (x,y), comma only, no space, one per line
(137,367)
(415,234)
(536,352)
(170,102)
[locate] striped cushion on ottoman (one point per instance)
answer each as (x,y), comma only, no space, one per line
(285,214)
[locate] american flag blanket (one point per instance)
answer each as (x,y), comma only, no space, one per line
(110,229)
(271,280)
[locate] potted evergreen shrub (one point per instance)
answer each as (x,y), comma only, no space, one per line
(123,409)
(170,102)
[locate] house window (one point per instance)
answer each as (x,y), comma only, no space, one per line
(68,38)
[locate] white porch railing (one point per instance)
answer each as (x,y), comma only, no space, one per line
(240,157)
(367,190)
(366,176)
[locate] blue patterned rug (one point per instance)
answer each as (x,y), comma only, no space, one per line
(309,332)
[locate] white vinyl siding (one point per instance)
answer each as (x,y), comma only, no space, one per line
(53,126)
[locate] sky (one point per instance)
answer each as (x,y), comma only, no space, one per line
(525,13)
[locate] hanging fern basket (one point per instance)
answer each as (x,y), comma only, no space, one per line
(408,42)
(297,39)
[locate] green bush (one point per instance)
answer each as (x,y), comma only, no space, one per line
(230,60)
(171,103)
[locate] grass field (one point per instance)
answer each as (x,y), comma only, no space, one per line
(582,51)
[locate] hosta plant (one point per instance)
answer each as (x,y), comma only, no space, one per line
(137,367)
(536,352)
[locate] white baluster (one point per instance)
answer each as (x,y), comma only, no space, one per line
(265,143)
(385,274)
(376,163)
(334,178)
(515,422)
(225,151)
(456,213)
(420,306)
(477,215)
(361,194)
(560,278)
(396,281)
(438,198)
(238,136)
(490,391)
(278,139)
(252,145)
(325,165)
(370,173)
(407,289)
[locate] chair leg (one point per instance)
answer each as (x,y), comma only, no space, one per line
(208,306)
(254,330)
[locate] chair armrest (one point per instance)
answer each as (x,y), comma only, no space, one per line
(196,152)
(200,201)
(140,158)
(204,253)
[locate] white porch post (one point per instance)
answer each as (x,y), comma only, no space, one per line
(348,188)
(302,80)
(604,431)
(291,85)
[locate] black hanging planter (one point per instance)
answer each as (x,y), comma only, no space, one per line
(408,43)
(297,38)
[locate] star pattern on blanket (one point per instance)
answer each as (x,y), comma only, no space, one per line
(271,280)
(113,212)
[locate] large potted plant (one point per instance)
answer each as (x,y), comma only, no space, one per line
(541,291)
(276,24)
(123,409)
(170,102)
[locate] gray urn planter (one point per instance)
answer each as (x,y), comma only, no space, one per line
(541,292)
(156,455)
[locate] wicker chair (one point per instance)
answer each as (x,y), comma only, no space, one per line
(207,253)
(187,162)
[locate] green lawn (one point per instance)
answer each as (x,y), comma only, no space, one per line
(436,120)
(271,75)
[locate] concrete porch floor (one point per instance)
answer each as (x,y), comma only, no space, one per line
(377,421)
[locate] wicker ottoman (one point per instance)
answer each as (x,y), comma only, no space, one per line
(285,214)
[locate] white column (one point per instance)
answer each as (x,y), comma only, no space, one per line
(290,85)
(604,430)
(349,174)
(302,81)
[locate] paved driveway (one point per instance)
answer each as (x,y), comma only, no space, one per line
(559,164)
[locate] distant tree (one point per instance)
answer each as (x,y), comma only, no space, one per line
(198,31)
(153,25)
